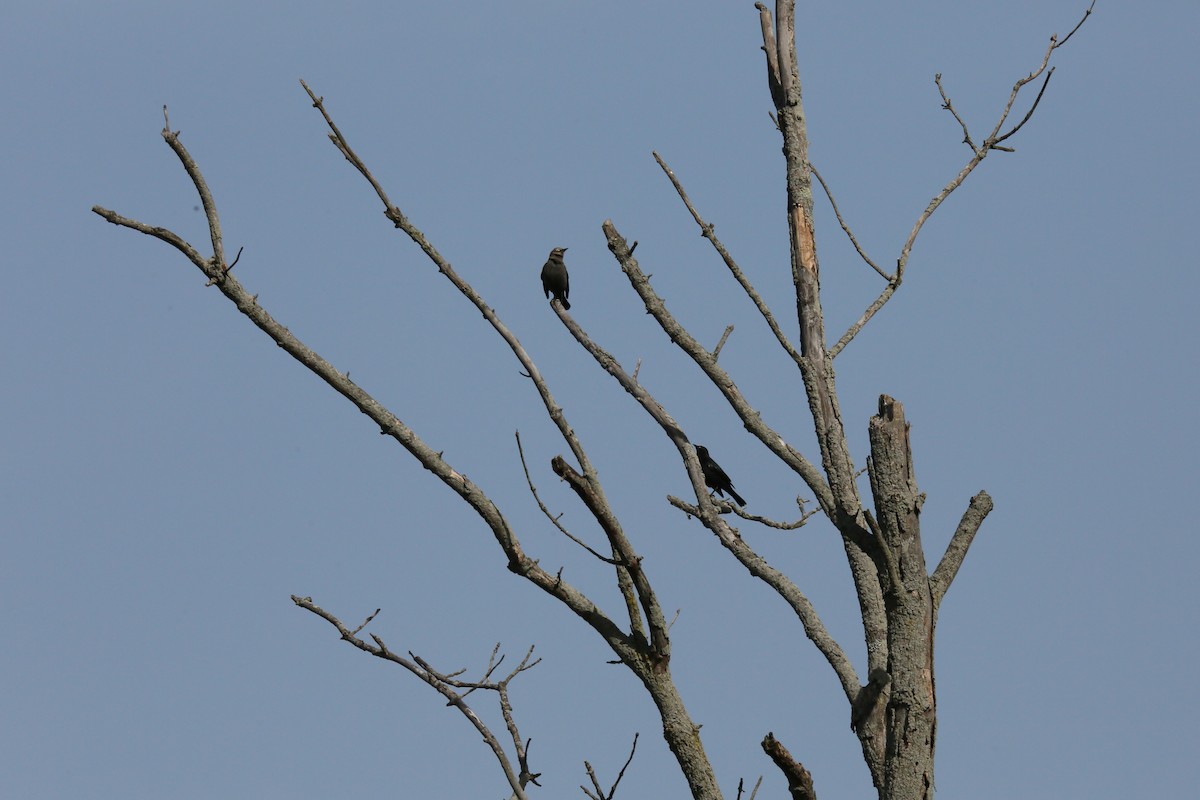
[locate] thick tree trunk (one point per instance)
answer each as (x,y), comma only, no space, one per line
(911,716)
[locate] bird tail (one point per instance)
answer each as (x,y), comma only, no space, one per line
(737,498)
(566,305)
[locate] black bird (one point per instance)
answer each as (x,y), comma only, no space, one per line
(554,277)
(715,477)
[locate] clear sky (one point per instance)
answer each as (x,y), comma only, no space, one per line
(170,477)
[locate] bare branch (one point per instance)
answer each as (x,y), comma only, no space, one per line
(631,578)
(366,622)
(708,232)
(591,773)
(724,337)
(650,664)
(980,506)
(553,410)
(902,262)
(440,683)
(162,234)
(879,302)
(769,47)
(770,523)
(708,510)
(785,44)
(593,492)
(1078,25)
(553,519)
(600,793)
(800,785)
(948,104)
(231,264)
(994,138)
(845,227)
(647,401)
(631,562)
(803,608)
(525,775)
(518,562)
(753,792)
(339,141)
(978,153)
(996,143)
(720,378)
(206,198)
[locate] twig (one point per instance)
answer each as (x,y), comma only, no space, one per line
(754,792)
(770,523)
(365,623)
(845,227)
(553,519)
(600,793)
(1078,25)
(948,104)
(716,353)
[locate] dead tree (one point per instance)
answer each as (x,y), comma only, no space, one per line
(894,715)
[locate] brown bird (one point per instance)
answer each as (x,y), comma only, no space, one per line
(554,277)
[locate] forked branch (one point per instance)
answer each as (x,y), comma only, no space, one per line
(612,790)
(978,154)
(554,520)
(448,686)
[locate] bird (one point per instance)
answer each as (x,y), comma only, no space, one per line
(554,277)
(715,477)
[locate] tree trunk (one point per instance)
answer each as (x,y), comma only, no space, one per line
(911,717)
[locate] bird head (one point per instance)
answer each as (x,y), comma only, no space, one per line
(558,252)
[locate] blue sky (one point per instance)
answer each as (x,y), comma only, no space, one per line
(170,477)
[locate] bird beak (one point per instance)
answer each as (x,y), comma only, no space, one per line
(564,249)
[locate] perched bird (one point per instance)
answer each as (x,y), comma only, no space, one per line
(715,477)
(554,277)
